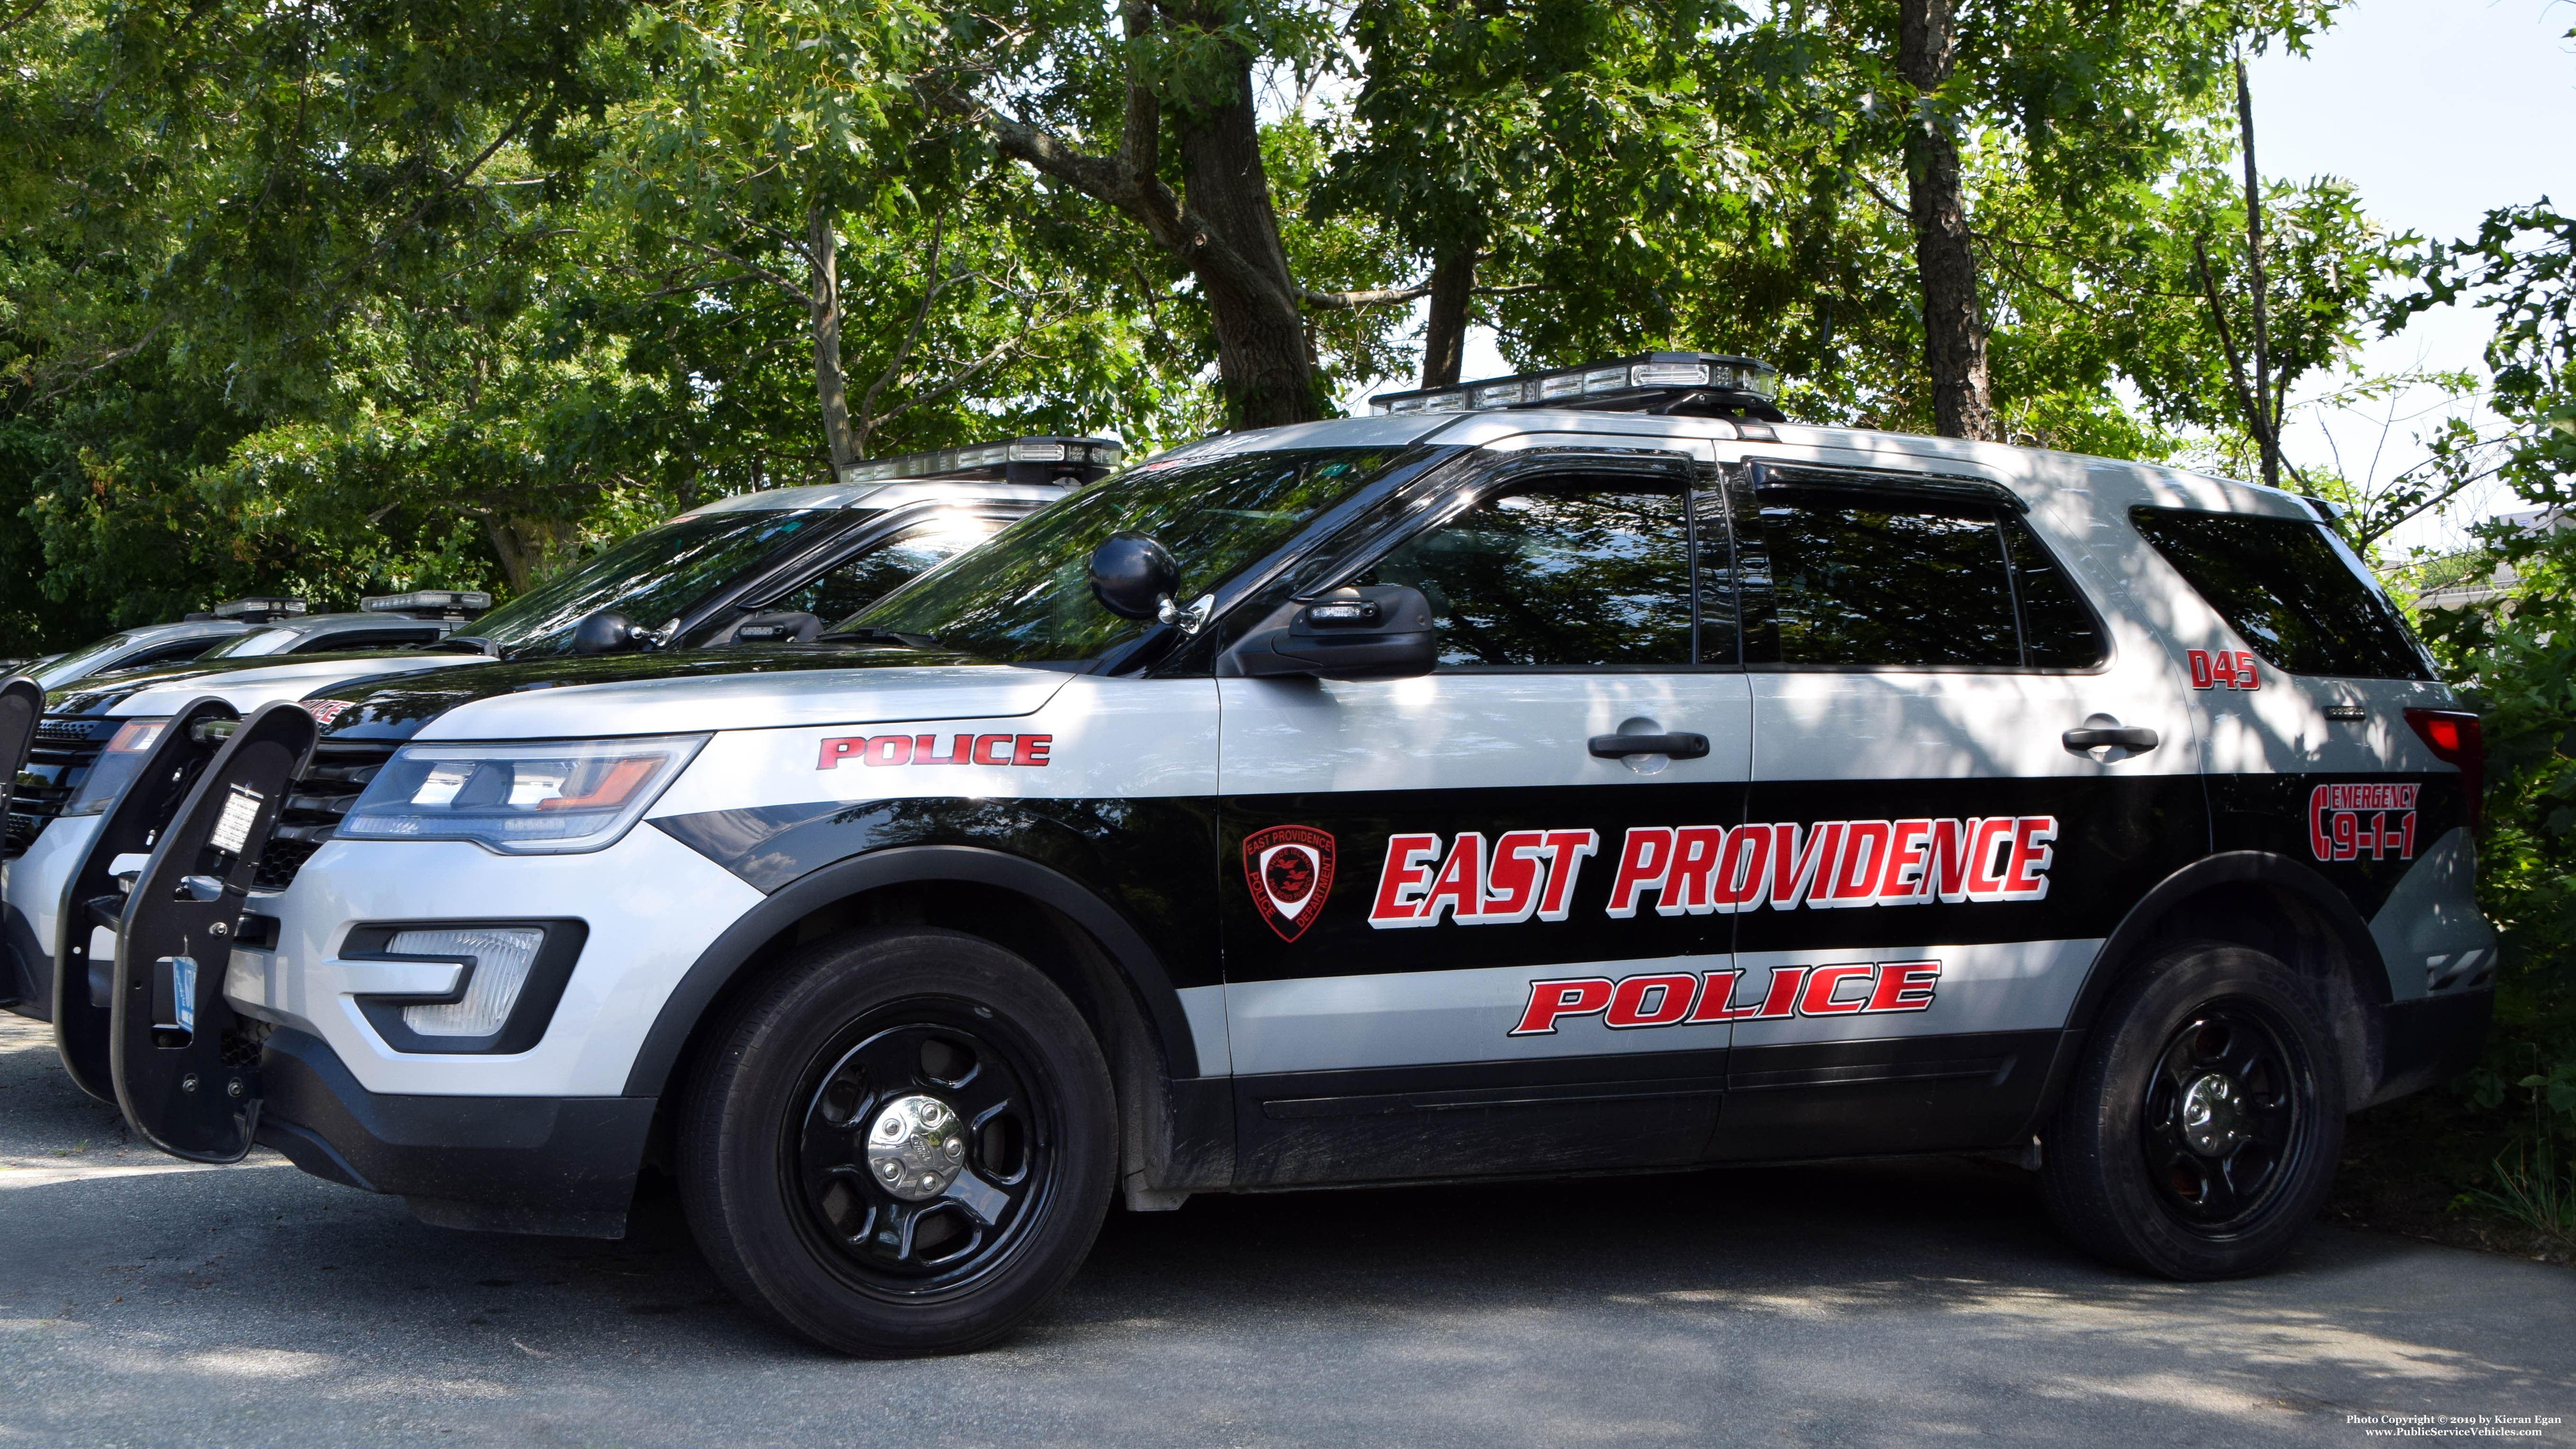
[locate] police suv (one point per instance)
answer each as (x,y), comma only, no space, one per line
(745,567)
(1578,772)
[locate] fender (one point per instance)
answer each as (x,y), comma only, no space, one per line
(2233,867)
(902,865)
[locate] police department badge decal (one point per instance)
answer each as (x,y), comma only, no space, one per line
(1290,871)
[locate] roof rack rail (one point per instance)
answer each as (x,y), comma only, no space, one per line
(1047,458)
(1707,384)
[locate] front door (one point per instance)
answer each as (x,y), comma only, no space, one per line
(1439,958)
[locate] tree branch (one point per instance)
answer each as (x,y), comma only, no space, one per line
(755,269)
(1381,296)
(921,314)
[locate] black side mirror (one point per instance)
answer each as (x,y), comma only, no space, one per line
(607,632)
(1377,631)
(1131,575)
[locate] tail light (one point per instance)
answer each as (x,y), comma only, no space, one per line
(2457,739)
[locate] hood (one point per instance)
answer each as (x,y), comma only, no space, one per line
(245,684)
(680,693)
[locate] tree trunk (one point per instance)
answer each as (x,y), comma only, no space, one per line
(825,253)
(1444,330)
(2266,418)
(1262,351)
(1954,332)
(527,548)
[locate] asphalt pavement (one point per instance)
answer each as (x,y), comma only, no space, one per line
(147,1302)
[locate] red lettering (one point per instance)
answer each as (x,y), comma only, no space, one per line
(984,746)
(1512,880)
(1717,998)
(2031,855)
(1792,869)
(1695,854)
(1990,858)
(1032,749)
(2320,805)
(1548,1000)
(1459,888)
(1947,876)
(1854,881)
(1628,1004)
(1742,880)
(1818,999)
(1403,879)
(1566,852)
(1906,986)
(2406,846)
(2347,830)
(958,749)
(890,750)
(1907,851)
(2246,677)
(837,750)
(2201,674)
(1643,859)
(1782,999)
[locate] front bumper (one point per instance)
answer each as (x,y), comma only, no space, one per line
(563,1165)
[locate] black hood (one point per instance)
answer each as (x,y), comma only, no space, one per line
(395,707)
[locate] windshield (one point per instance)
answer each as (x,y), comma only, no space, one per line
(1027,594)
(73,665)
(268,639)
(651,576)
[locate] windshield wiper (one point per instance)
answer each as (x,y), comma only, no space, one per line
(873,635)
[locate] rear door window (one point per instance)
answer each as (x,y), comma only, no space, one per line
(1854,571)
(2285,589)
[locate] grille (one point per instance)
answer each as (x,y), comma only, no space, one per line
(321,797)
(58,761)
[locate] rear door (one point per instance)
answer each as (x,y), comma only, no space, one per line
(1944,859)
(1437,959)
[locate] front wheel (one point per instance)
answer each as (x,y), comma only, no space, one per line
(902,1142)
(2200,1134)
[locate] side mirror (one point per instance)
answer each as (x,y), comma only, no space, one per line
(1131,575)
(1380,631)
(607,632)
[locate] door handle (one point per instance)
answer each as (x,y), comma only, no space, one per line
(2135,738)
(1672,746)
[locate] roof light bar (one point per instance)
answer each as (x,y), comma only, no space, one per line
(1744,383)
(260,608)
(1048,459)
(432,602)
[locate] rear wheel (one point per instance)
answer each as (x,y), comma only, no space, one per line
(2201,1131)
(901,1143)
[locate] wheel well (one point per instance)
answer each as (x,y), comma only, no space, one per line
(2334,956)
(1021,924)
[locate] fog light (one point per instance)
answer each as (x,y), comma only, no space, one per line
(502,957)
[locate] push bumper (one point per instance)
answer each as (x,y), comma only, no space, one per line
(561,1165)
(2425,1041)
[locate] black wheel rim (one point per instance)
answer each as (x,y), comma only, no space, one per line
(2229,1112)
(911,1247)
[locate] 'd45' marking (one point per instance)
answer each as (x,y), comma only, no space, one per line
(1683,998)
(2226,669)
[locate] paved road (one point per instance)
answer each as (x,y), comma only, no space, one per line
(147,1303)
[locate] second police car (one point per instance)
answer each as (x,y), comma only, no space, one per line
(1581,772)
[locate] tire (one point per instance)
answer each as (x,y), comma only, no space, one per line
(810,1171)
(2201,1131)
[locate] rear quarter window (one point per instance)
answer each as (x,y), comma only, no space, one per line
(2287,591)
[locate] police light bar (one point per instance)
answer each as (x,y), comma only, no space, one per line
(260,609)
(1020,460)
(1630,383)
(436,603)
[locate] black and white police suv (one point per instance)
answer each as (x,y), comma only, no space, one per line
(1580,772)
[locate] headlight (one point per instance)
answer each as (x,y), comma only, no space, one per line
(543,798)
(126,750)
